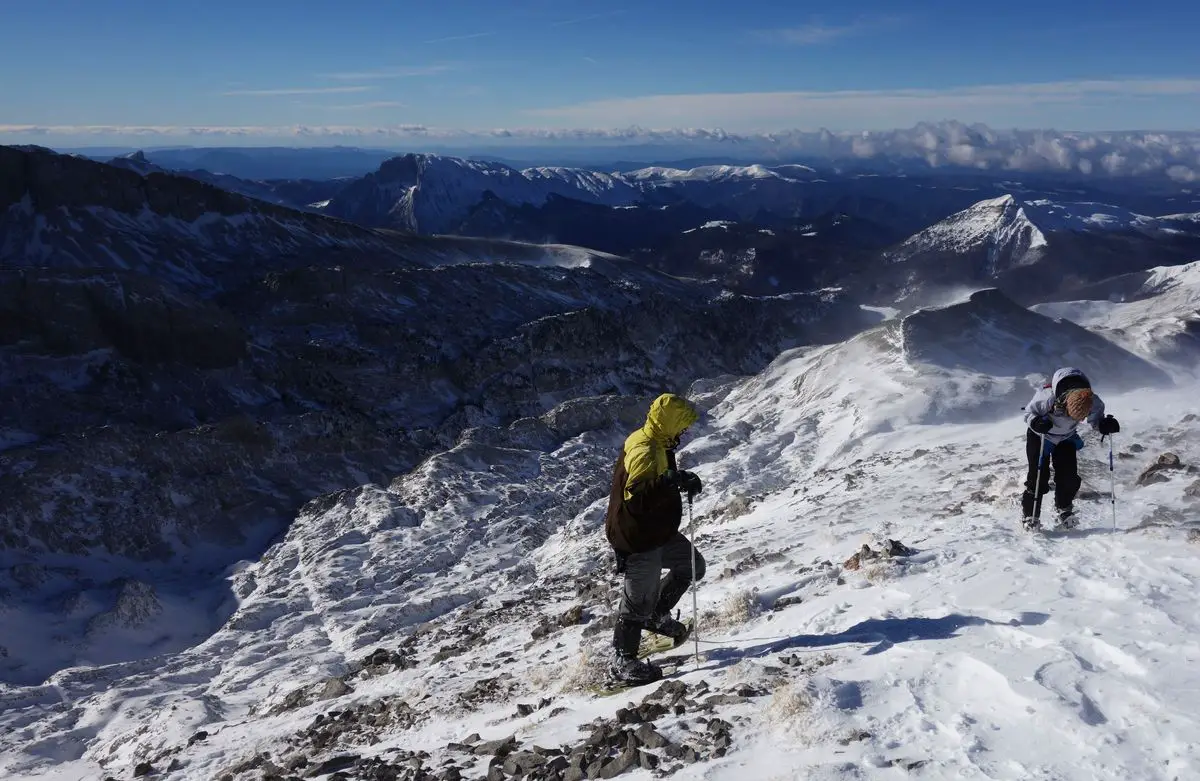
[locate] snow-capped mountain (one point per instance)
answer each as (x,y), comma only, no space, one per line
(452,622)
(431,194)
(1035,248)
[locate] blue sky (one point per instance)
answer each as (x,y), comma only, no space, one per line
(78,71)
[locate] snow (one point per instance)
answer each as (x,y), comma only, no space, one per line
(989,653)
(999,221)
(712,173)
(1160,321)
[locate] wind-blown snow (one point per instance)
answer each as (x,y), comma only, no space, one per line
(1160,319)
(989,653)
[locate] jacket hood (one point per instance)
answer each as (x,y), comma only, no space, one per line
(1065,372)
(669,416)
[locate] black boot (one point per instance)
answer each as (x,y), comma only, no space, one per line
(1067,519)
(626,667)
(1029,511)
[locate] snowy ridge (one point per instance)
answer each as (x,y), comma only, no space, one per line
(1159,319)
(983,652)
(718,173)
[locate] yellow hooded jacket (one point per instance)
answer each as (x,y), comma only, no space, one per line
(643,511)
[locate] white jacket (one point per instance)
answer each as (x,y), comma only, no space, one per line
(1045,404)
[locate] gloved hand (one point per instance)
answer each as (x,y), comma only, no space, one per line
(1041,425)
(1108,425)
(690,483)
(684,480)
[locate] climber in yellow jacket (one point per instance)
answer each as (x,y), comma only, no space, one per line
(645,511)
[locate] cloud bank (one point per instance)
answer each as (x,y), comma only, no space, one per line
(1174,155)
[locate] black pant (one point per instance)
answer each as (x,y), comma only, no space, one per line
(1066,475)
(645,596)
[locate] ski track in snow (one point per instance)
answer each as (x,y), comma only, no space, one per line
(990,654)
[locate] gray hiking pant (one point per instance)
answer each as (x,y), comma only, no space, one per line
(640,599)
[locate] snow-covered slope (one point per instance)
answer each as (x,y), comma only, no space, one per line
(483,579)
(1157,314)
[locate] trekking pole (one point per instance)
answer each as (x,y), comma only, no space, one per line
(695,622)
(1112,480)
(1037,497)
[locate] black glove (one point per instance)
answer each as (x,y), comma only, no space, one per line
(684,481)
(690,482)
(1041,425)
(1108,425)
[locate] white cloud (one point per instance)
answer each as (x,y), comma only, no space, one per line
(588,18)
(1115,153)
(749,111)
(810,34)
(815,33)
(390,73)
(374,104)
(467,37)
(298,91)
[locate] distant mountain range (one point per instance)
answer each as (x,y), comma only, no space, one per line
(765,229)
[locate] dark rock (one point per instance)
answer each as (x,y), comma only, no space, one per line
(334,764)
(143,769)
(333,688)
(783,602)
(725,699)
(651,711)
(650,737)
(572,617)
(647,760)
(897,548)
(1193,535)
(524,709)
(1193,490)
(627,716)
(451,774)
(495,773)
(199,736)
(574,773)
(1167,462)
(497,748)
(1136,448)
(615,767)
(522,762)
